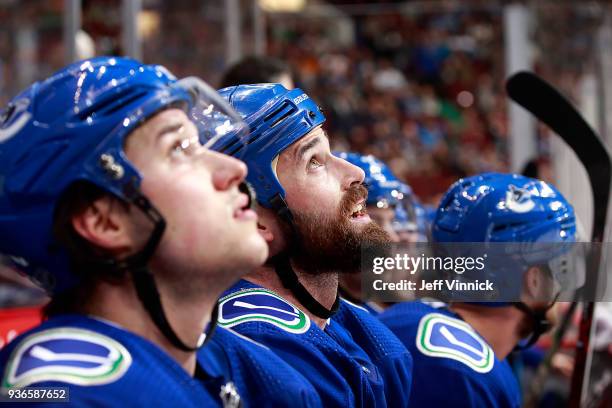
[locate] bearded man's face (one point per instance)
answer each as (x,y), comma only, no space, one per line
(327,199)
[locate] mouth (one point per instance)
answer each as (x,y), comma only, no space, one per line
(359,212)
(243,211)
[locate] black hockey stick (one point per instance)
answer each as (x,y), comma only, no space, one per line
(552,108)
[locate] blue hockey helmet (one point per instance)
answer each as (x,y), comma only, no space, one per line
(534,221)
(494,207)
(72,127)
(277,117)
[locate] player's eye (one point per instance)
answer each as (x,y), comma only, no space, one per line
(184,146)
(313,163)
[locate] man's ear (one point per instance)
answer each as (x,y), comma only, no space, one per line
(269,227)
(265,224)
(105,223)
(532,282)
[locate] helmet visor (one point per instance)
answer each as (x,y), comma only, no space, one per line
(405,214)
(220,127)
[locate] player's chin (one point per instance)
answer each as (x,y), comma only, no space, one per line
(372,233)
(254,250)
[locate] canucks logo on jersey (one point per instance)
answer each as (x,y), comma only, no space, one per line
(71,355)
(261,305)
(442,336)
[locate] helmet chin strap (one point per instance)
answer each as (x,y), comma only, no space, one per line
(144,282)
(290,281)
(540,322)
(288,277)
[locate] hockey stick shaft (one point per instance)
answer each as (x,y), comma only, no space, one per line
(552,108)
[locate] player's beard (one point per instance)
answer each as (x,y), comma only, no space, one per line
(331,242)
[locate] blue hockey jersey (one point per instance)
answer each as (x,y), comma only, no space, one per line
(385,350)
(453,365)
(261,377)
(371,308)
(105,365)
(344,372)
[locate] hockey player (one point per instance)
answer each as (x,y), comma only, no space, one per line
(112,199)
(312,214)
(460,349)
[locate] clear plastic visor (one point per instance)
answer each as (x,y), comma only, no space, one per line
(405,215)
(219,126)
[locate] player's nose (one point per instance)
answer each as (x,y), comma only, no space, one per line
(350,173)
(227,171)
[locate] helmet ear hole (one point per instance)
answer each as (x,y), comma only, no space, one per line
(8,112)
(446,202)
(499,228)
(284,111)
